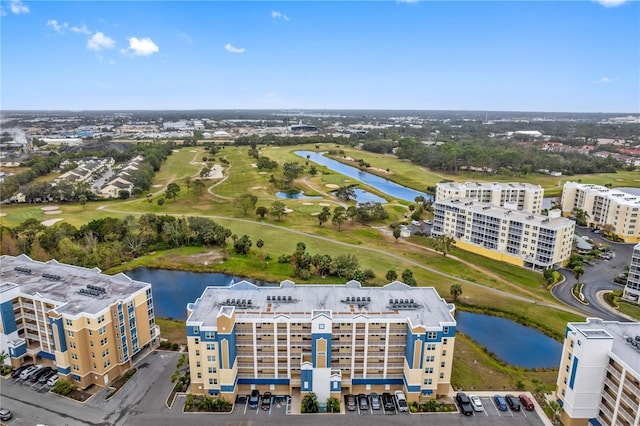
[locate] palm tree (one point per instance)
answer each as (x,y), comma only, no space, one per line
(578,271)
(455,290)
(310,403)
(555,410)
(581,216)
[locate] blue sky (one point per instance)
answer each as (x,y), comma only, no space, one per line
(577,56)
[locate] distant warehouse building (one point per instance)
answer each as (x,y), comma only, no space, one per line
(326,339)
(513,195)
(604,206)
(513,236)
(599,376)
(86,325)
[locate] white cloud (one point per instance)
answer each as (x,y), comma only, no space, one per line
(142,46)
(185,37)
(99,41)
(407,1)
(80,30)
(57,27)
(229,48)
(605,80)
(17,7)
(610,3)
(275,15)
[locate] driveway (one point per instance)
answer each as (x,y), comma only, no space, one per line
(596,278)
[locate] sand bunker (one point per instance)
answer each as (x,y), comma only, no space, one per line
(156,186)
(255,166)
(257,187)
(192,150)
(53,212)
(3,214)
(332,186)
(315,213)
(288,210)
(50,208)
(177,150)
(262,173)
(307,204)
(52,222)
(216,172)
(324,204)
(619,180)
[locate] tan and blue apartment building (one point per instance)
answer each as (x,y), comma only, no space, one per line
(599,377)
(513,236)
(513,195)
(326,339)
(86,325)
(605,206)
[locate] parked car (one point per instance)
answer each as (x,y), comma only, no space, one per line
(501,403)
(526,402)
(389,402)
(266,401)
(53,380)
(375,401)
(45,377)
(415,223)
(352,405)
(254,399)
(5,414)
(28,371)
(513,402)
(476,403)
(363,401)
(402,401)
(36,376)
(464,403)
(16,373)
(428,222)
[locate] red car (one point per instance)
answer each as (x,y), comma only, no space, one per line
(526,402)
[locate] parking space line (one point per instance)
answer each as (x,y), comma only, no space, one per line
(496,407)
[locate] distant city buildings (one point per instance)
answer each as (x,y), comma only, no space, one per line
(599,376)
(326,339)
(512,195)
(514,236)
(605,207)
(86,325)
(632,288)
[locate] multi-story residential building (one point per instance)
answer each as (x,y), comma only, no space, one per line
(599,377)
(604,206)
(513,236)
(327,339)
(87,325)
(512,195)
(632,288)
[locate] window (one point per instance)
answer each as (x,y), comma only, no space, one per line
(428,381)
(91,343)
(442,364)
(209,334)
(197,352)
(212,370)
(68,322)
(444,341)
(432,335)
(75,367)
(100,319)
(445,330)
(442,375)
(196,341)
(74,356)
(103,342)
(103,330)
(198,364)
(93,355)
(428,370)
(95,366)
(69,333)
(105,352)
(571,344)
(430,358)
(72,345)
(90,333)
(569,356)
(210,381)
(107,363)
(196,330)
(211,358)
(431,346)
(321,326)
(567,369)
(211,346)
(444,353)
(199,375)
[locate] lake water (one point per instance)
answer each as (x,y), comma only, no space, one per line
(511,342)
(383,185)
(514,343)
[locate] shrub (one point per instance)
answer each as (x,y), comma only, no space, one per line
(175,347)
(62,387)
(413,409)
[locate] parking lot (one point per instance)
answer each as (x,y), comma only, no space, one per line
(279,405)
(491,410)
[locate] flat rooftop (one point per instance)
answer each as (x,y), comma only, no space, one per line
(421,305)
(619,195)
(461,186)
(596,328)
(523,216)
(60,284)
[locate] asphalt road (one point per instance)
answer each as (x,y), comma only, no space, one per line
(596,278)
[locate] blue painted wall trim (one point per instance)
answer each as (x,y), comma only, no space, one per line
(60,332)
(18,351)
(230,388)
(231,342)
(574,368)
(64,370)
(595,422)
(47,355)
(377,381)
(306,376)
(8,319)
(191,331)
(272,381)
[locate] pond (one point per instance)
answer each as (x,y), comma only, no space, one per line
(383,185)
(363,196)
(173,290)
(297,195)
(514,343)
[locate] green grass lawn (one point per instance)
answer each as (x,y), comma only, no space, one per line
(631,309)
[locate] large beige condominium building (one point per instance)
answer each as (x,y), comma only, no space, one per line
(513,236)
(87,325)
(512,195)
(632,288)
(599,377)
(327,339)
(605,206)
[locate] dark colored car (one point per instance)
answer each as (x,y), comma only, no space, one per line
(513,402)
(526,402)
(352,405)
(363,401)
(35,377)
(388,402)
(16,373)
(254,398)
(464,403)
(266,401)
(45,377)
(501,403)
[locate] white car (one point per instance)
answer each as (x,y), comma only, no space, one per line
(53,380)
(402,401)
(415,223)
(476,403)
